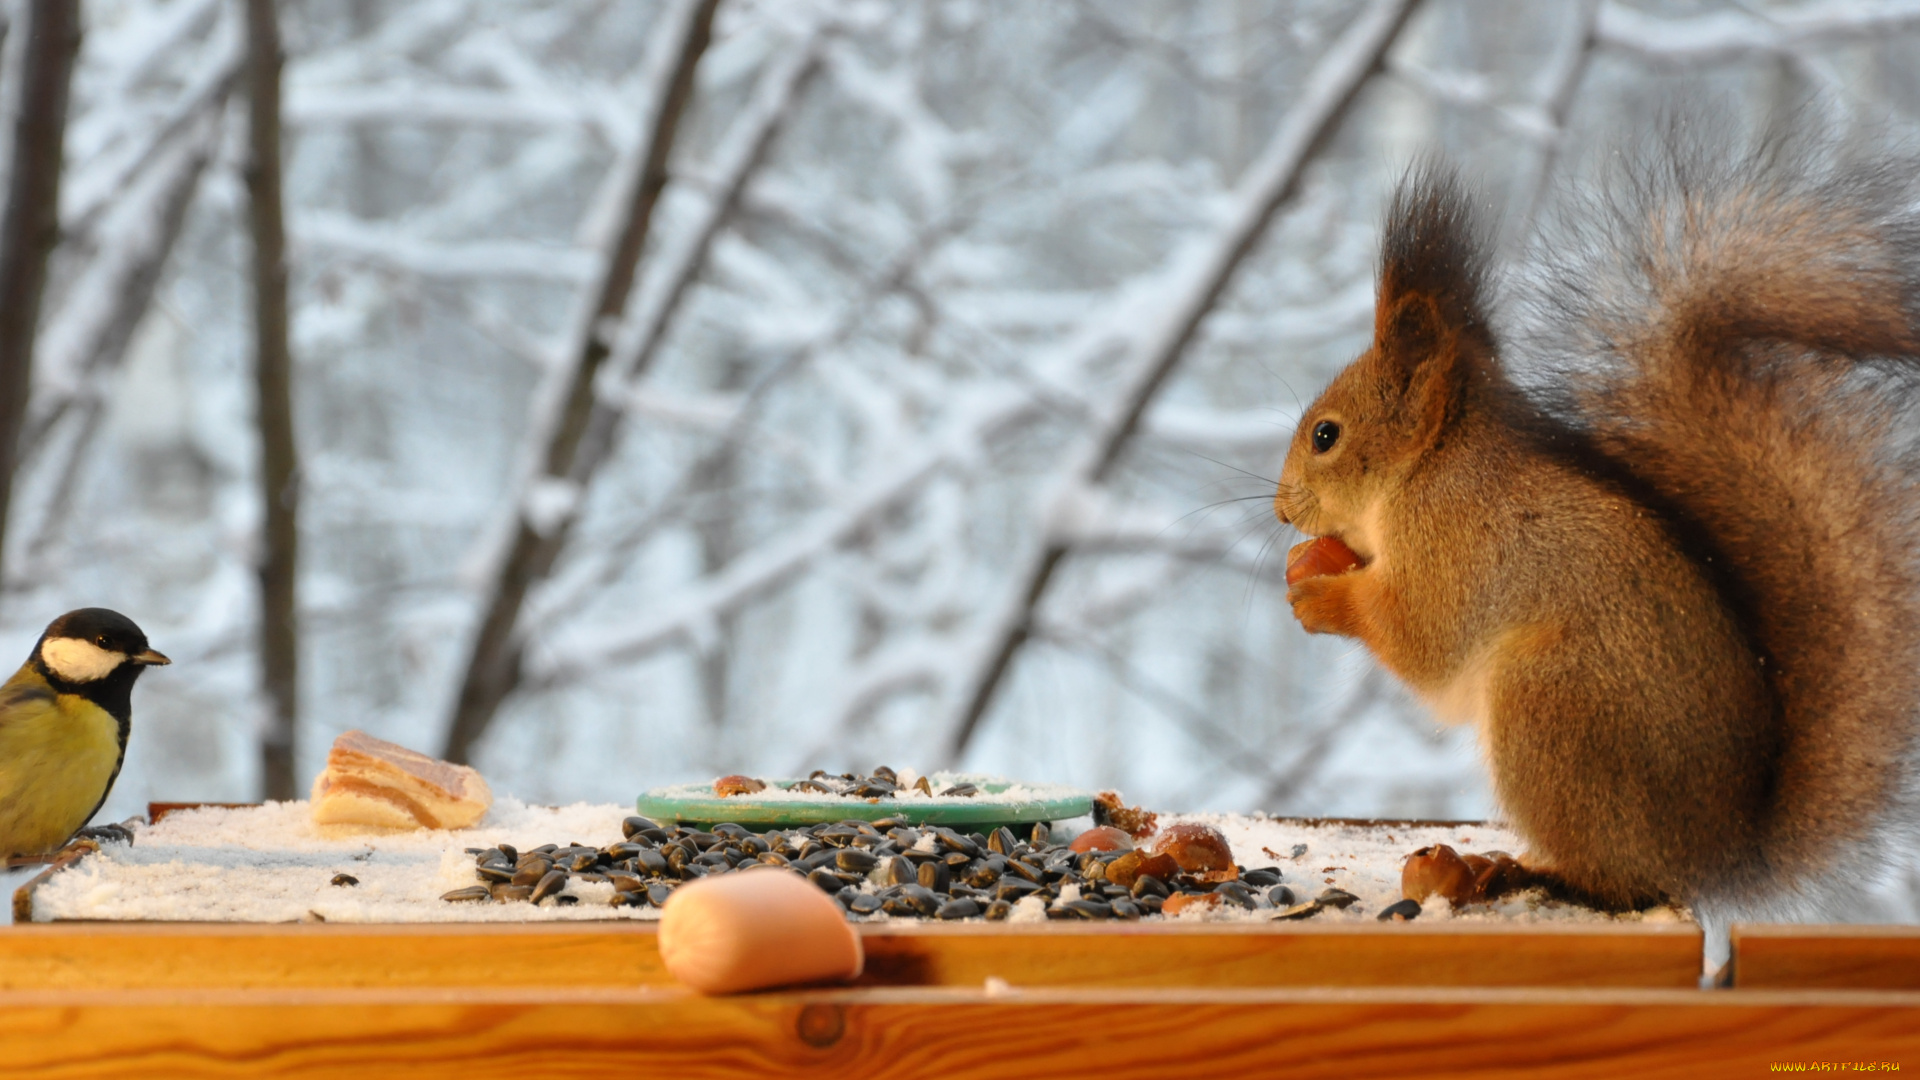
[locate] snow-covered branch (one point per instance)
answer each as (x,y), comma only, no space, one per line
(741,423)
(324,233)
(96,188)
(1202,272)
(1472,90)
(1223,745)
(98,311)
(576,651)
(407,104)
(86,338)
(1717,34)
(736,161)
(546,504)
(1558,84)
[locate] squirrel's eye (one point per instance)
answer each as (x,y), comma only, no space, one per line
(1325,434)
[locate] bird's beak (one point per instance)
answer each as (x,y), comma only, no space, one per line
(151,657)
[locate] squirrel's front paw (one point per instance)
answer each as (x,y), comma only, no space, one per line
(1323,605)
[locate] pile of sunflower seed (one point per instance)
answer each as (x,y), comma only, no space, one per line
(882,783)
(870,868)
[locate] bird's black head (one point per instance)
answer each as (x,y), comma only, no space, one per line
(93,647)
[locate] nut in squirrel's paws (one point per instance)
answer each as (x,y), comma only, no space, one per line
(1323,556)
(1319,589)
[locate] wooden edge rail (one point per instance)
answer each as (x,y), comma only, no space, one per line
(60,860)
(83,956)
(1441,953)
(1837,957)
(949,1033)
(158,810)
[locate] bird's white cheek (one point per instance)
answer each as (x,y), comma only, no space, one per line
(79,661)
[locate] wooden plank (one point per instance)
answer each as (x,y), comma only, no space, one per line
(153,956)
(951,1034)
(1826,957)
(1285,954)
(78,956)
(60,860)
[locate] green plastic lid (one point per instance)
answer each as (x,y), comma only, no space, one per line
(1000,802)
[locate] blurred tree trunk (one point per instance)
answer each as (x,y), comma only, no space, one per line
(493,666)
(273,371)
(31,226)
(719,546)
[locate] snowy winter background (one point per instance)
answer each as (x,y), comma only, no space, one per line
(884,366)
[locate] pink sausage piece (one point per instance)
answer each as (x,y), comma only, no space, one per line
(756,929)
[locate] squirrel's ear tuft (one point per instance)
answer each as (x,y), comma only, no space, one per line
(1433,261)
(1429,323)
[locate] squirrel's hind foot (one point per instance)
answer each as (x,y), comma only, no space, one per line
(1487,877)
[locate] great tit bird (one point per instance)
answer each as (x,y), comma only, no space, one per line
(64,719)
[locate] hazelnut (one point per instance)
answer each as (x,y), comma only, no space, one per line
(1102,838)
(1437,870)
(1136,864)
(1198,849)
(1160,866)
(1318,558)
(1501,875)
(1180,902)
(737,785)
(1125,870)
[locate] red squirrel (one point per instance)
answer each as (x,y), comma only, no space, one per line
(1656,541)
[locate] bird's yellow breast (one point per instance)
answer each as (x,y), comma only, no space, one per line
(57,754)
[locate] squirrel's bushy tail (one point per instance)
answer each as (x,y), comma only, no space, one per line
(1739,332)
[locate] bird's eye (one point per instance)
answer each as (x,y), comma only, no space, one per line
(101,641)
(1325,434)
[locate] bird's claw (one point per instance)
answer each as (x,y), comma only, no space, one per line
(106,834)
